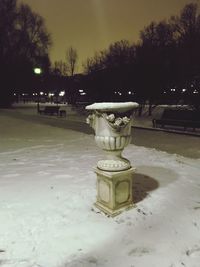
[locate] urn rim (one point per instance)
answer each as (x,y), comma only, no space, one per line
(113,106)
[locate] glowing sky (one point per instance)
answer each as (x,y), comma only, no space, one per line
(91,25)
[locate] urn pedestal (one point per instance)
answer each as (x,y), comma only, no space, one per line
(112,124)
(114,191)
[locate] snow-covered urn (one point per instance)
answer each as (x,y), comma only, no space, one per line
(112,125)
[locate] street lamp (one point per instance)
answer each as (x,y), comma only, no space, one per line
(38,71)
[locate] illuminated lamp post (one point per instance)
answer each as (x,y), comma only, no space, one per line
(38,72)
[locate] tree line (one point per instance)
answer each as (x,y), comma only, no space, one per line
(163,67)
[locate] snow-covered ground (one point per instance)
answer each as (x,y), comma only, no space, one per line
(47,191)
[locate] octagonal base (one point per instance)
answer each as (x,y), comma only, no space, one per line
(120,164)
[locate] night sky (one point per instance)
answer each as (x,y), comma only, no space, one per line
(91,25)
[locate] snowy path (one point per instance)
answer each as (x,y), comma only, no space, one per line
(185,145)
(47,188)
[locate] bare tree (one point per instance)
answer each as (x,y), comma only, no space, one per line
(71,60)
(24,44)
(71,63)
(34,40)
(96,63)
(60,68)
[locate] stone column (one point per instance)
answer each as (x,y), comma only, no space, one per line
(112,125)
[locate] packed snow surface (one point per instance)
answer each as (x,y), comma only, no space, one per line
(47,191)
(112,106)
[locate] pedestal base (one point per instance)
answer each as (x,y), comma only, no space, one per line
(114,191)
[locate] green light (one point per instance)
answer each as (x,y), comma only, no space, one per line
(37,70)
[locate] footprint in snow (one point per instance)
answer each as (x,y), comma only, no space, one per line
(140,251)
(194,252)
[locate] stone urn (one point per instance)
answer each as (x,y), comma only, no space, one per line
(112,125)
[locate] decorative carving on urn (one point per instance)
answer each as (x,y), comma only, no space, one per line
(112,125)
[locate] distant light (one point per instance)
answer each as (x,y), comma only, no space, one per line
(173,90)
(195,92)
(51,94)
(41,93)
(37,70)
(129,92)
(164,92)
(33,93)
(82,92)
(119,93)
(15,94)
(192,85)
(62,93)
(184,90)
(115,92)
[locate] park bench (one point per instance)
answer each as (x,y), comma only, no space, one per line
(180,118)
(50,110)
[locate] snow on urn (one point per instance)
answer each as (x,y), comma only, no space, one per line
(112,125)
